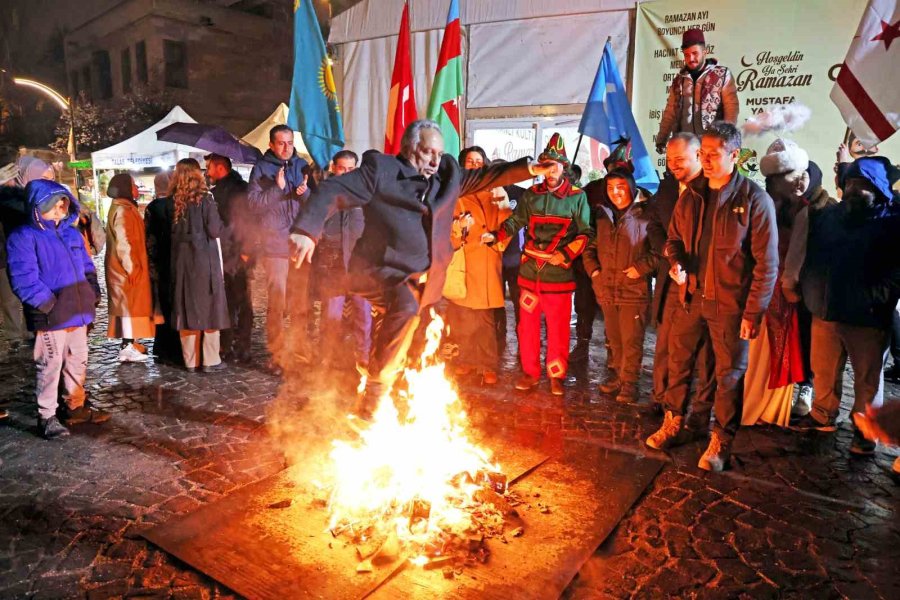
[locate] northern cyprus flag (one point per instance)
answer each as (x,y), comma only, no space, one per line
(447,91)
(867,90)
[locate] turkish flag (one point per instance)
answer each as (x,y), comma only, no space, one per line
(402,101)
(867,90)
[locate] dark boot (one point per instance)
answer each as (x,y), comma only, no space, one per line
(611,384)
(51,428)
(581,351)
(84,414)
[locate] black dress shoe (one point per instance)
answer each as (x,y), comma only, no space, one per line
(213,368)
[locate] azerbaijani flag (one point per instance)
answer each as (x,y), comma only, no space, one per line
(447,91)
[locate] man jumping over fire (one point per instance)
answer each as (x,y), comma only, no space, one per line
(400,262)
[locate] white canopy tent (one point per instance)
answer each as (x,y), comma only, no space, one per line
(144,150)
(529,65)
(259,137)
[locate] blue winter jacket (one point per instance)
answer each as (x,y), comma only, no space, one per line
(275,209)
(49,267)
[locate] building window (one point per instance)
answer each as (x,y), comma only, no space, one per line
(140,59)
(126,71)
(104,74)
(86,84)
(175,58)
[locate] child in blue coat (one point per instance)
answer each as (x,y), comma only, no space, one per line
(53,276)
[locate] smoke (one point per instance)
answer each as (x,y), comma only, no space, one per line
(779,120)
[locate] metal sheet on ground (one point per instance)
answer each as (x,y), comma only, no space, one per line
(572,503)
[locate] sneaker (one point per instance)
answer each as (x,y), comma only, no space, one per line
(580,351)
(556,386)
(131,354)
(85,414)
(860,446)
(489,377)
(717,455)
(526,382)
(611,384)
(628,394)
(809,423)
(139,347)
(804,401)
(51,428)
(669,434)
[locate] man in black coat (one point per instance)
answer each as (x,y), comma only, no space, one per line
(277,189)
(400,262)
(683,162)
(230,192)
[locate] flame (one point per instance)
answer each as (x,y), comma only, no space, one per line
(406,475)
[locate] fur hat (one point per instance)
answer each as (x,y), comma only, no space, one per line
(783,156)
(692,37)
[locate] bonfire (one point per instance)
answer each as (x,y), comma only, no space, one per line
(414,485)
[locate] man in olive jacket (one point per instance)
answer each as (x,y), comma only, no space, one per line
(400,262)
(723,250)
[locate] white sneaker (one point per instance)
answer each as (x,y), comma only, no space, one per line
(804,401)
(139,347)
(131,354)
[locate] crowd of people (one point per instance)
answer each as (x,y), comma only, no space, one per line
(758,294)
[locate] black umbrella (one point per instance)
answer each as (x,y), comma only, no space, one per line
(211,138)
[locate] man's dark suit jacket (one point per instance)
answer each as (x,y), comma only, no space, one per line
(407,218)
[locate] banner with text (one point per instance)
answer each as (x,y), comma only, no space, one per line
(778,52)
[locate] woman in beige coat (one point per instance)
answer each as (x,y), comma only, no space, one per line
(471,318)
(127,271)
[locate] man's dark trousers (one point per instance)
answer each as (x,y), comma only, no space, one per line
(702,318)
(705,380)
(586,307)
(240,310)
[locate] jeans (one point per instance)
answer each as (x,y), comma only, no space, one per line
(359,319)
(287,288)
(702,318)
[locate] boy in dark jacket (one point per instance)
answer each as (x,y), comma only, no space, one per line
(54,277)
(620,263)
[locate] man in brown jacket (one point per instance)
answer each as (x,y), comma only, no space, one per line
(703,91)
(723,249)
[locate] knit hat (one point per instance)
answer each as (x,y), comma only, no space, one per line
(620,157)
(120,186)
(815,180)
(877,169)
(555,150)
(30,168)
(783,156)
(692,37)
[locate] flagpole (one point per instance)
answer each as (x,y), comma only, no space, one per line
(581,135)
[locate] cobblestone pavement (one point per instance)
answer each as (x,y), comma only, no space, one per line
(795,517)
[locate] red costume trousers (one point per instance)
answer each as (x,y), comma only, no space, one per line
(557,311)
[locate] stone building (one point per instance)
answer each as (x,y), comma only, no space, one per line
(226,62)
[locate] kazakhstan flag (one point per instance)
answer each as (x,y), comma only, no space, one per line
(314,109)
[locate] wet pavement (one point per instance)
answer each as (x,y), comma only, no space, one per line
(796,516)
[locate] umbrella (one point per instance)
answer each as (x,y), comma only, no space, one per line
(211,138)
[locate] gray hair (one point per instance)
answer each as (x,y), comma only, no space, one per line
(413,134)
(691,140)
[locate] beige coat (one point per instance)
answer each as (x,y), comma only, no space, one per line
(127,272)
(484,264)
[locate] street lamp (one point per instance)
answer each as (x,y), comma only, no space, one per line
(64,104)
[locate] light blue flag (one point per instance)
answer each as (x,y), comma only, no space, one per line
(314,108)
(607,118)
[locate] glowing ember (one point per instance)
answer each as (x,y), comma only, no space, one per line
(417,478)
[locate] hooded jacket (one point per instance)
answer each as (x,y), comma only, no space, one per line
(49,268)
(619,244)
(852,270)
(693,105)
(273,208)
(742,265)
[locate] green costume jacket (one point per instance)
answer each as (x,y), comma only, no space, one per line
(558,220)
